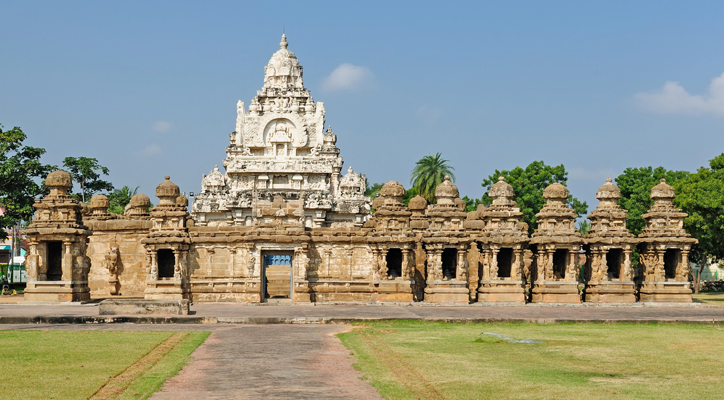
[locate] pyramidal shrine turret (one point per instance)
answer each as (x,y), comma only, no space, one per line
(281,162)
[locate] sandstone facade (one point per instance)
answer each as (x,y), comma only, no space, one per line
(283,224)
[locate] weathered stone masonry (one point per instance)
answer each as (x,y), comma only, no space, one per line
(283,224)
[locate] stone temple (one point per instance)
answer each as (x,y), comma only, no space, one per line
(283,224)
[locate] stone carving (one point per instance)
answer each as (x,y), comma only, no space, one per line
(282,131)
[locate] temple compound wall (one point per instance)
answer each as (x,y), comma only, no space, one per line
(282,223)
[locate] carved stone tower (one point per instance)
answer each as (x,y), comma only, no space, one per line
(281,151)
(57,264)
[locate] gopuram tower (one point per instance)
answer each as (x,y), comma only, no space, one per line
(282,167)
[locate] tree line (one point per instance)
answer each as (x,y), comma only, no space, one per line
(22,179)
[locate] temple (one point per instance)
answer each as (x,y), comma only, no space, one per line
(281,223)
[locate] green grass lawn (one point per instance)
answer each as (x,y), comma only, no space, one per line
(710,297)
(80,364)
(426,360)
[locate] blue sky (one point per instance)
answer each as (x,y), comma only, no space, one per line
(150,88)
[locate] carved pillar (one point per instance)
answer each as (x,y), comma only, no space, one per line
(154,266)
(603,270)
(406,263)
(572,266)
(438,265)
(515,269)
(541,266)
(549,264)
(431,265)
(659,272)
(683,269)
(461,271)
(627,273)
(176,265)
(67,263)
(383,264)
(595,265)
(494,262)
(486,265)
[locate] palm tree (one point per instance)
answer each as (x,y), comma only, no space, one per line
(120,198)
(429,172)
(584,227)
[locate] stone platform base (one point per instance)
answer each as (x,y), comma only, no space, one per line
(447,292)
(399,291)
(611,292)
(499,293)
(56,291)
(666,292)
(138,306)
(555,292)
(167,290)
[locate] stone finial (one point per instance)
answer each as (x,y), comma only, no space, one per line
(392,189)
(663,192)
(59,182)
(555,192)
(182,201)
(138,206)
(99,201)
(417,203)
(608,194)
(167,191)
(283,44)
(501,192)
(446,192)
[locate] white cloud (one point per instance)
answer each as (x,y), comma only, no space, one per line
(162,126)
(674,99)
(151,150)
(429,114)
(347,77)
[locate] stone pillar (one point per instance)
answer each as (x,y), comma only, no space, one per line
(628,272)
(683,269)
(659,272)
(383,264)
(515,270)
(604,265)
(176,266)
(494,262)
(154,266)
(460,272)
(67,263)
(572,266)
(406,263)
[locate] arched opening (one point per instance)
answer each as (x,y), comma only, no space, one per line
(560,261)
(449,263)
(55,261)
(505,262)
(671,262)
(394,263)
(166,263)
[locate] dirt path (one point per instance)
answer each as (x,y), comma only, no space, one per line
(269,362)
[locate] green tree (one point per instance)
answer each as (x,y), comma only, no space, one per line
(635,185)
(372,191)
(429,172)
(471,204)
(584,227)
(409,194)
(119,199)
(87,172)
(701,195)
(528,184)
(21,174)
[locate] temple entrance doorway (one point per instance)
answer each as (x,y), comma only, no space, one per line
(55,261)
(560,262)
(394,263)
(614,259)
(166,263)
(277,275)
(449,263)
(505,262)
(671,262)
